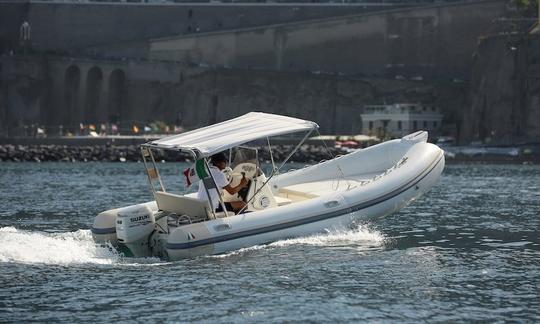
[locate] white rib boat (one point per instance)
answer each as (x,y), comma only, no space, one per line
(334,194)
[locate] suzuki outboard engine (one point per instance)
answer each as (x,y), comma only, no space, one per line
(134,225)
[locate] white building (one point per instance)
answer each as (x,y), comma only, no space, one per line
(400,119)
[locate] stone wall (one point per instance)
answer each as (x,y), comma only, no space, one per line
(434,41)
(12,15)
(401,56)
(23,93)
(128,92)
(76,26)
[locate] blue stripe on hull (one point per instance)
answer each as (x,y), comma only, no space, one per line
(303,221)
(110,230)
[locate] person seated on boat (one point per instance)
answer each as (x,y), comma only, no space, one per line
(219,162)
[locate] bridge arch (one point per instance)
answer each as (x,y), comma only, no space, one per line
(72,81)
(117,96)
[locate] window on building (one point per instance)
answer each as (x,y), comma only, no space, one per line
(434,124)
(190,13)
(415,125)
(370,125)
(425,124)
(399,126)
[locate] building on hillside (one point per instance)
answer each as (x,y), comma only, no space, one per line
(396,120)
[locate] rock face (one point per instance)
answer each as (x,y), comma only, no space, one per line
(504,97)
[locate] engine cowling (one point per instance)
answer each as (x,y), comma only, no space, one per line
(134,225)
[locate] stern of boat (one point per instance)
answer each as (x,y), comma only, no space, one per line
(104,227)
(127,228)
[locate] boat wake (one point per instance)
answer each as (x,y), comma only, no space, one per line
(72,248)
(53,248)
(360,238)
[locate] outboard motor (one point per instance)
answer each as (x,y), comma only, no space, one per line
(104,228)
(134,225)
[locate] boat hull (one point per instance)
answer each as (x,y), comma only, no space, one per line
(397,173)
(203,238)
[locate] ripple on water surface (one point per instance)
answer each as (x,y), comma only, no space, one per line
(467,251)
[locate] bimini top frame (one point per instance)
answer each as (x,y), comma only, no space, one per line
(209,140)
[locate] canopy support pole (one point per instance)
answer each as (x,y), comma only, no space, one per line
(217,189)
(326,146)
(273,173)
(333,157)
(146,151)
(295,149)
(271,155)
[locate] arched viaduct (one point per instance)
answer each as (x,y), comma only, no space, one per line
(130,93)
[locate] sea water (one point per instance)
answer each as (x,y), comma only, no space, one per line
(469,250)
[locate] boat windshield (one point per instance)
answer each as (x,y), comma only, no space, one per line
(244,155)
(245,160)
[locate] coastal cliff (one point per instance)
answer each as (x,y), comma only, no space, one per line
(504,93)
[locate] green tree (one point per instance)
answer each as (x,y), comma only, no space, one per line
(527,8)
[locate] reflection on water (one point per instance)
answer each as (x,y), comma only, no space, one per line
(467,251)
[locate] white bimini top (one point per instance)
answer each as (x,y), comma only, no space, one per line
(216,138)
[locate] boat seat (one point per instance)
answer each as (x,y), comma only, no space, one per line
(282,201)
(309,190)
(196,209)
(295,195)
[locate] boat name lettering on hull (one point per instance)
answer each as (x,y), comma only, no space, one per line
(377,177)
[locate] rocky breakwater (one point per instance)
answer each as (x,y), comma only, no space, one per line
(131,153)
(64,153)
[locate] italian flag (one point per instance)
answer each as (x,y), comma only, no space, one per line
(196,172)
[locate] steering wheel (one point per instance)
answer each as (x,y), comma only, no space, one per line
(228,173)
